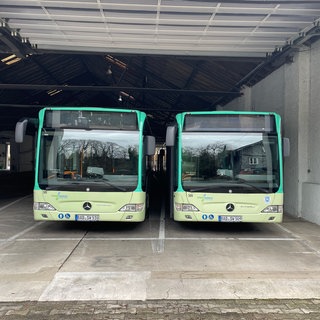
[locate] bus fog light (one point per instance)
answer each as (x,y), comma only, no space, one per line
(273,209)
(129,217)
(185,207)
(43,206)
(188,217)
(132,207)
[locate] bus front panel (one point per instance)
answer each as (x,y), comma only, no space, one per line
(228,207)
(89,206)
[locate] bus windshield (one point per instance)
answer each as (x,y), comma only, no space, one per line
(88,160)
(230,162)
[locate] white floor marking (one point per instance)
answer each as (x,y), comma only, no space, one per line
(158,244)
(12,203)
(162,239)
(21,233)
(286,230)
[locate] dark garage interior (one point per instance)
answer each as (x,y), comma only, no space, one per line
(214,50)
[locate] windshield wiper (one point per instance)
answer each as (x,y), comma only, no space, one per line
(82,182)
(53,188)
(245,182)
(107,182)
(236,183)
(207,189)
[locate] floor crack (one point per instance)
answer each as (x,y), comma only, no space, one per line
(72,251)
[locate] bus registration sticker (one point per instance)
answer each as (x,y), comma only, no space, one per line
(87,217)
(230,219)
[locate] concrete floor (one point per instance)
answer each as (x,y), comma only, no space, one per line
(156,259)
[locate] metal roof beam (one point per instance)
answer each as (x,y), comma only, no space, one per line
(14,86)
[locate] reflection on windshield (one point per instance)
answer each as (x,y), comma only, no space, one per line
(230,162)
(95,159)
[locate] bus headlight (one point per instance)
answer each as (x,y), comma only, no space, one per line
(273,209)
(132,207)
(185,207)
(43,206)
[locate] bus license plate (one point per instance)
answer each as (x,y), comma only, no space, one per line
(87,217)
(230,218)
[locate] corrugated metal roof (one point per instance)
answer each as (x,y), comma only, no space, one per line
(236,28)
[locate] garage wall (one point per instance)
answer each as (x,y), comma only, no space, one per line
(293,91)
(311,185)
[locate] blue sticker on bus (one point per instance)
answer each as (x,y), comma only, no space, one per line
(204,217)
(211,216)
(60,215)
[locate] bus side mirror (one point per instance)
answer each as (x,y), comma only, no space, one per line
(286,147)
(20,131)
(149,145)
(171,136)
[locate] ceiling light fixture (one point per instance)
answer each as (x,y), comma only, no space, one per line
(14,33)
(116,62)
(127,95)
(109,71)
(10,59)
(53,92)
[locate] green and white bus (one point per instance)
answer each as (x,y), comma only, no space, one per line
(90,164)
(226,167)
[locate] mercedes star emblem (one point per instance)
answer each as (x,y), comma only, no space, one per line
(230,207)
(87,206)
